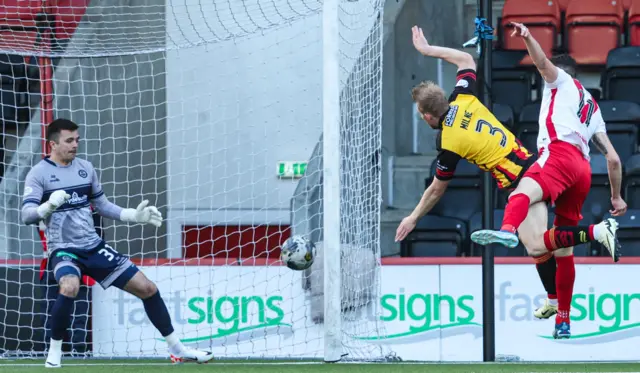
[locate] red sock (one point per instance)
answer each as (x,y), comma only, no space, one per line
(565,277)
(515,212)
(560,237)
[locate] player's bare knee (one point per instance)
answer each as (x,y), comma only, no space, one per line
(147,289)
(530,188)
(536,251)
(69,286)
(141,286)
(532,245)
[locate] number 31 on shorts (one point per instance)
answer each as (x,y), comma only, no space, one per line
(108,252)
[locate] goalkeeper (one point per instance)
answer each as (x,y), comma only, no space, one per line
(469,130)
(59,191)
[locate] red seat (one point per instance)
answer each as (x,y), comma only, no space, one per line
(563,4)
(626,4)
(634,23)
(14,15)
(593,29)
(542,17)
(15,10)
(68,14)
(20,41)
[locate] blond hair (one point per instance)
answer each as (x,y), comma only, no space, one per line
(430,98)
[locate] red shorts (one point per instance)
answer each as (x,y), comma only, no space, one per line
(565,177)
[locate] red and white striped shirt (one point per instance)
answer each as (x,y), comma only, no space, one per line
(568,113)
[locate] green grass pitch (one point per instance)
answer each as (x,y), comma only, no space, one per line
(157,366)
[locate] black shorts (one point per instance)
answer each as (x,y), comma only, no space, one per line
(102,263)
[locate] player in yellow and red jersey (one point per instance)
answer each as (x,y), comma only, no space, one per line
(469,130)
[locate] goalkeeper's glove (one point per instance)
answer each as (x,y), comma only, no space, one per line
(142,214)
(57,199)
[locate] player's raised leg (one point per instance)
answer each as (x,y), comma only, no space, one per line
(68,276)
(155,308)
(527,193)
(533,227)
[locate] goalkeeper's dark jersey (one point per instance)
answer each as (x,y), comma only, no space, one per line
(470,131)
(71,225)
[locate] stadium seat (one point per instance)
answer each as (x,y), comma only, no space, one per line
(626,4)
(464,194)
(622,118)
(634,23)
(19,10)
(563,4)
(527,127)
(593,28)
(542,17)
(632,181)
(436,236)
(622,75)
(511,84)
(596,93)
(504,113)
(68,14)
(598,202)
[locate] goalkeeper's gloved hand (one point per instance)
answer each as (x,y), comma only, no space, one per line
(57,199)
(142,214)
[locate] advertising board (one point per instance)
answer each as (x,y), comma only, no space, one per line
(428,313)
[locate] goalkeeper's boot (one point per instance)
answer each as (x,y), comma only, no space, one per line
(54,356)
(607,236)
(486,236)
(188,355)
(562,330)
(546,310)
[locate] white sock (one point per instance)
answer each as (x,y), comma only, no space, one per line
(175,346)
(553,302)
(55,345)
(597,230)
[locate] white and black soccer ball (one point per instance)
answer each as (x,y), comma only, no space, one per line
(298,253)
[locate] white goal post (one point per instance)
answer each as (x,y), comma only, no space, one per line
(244,122)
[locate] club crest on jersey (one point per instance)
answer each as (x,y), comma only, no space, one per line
(451,116)
(76,199)
(82,173)
(462,83)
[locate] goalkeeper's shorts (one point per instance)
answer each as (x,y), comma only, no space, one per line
(104,264)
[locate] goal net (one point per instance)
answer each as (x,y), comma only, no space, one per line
(212,110)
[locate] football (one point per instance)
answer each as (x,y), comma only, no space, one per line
(298,253)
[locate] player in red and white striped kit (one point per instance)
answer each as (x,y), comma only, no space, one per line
(569,119)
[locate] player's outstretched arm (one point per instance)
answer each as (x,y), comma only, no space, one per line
(547,69)
(461,59)
(614,168)
(430,197)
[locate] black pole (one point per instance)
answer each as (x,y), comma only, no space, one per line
(488,315)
